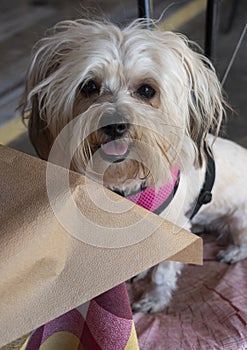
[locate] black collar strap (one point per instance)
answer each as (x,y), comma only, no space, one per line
(205,195)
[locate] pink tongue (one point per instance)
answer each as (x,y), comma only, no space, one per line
(115,148)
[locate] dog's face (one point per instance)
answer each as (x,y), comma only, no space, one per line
(141,101)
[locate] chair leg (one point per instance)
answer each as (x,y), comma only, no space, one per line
(212,24)
(145,10)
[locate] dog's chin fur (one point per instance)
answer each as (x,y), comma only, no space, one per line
(88,76)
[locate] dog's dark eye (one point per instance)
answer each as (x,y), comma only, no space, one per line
(146,92)
(89,88)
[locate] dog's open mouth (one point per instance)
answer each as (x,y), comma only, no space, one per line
(114,151)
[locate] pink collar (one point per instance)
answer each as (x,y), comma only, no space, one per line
(157,201)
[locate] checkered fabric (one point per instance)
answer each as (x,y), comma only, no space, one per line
(104,323)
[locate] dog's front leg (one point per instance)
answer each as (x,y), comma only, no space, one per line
(164,282)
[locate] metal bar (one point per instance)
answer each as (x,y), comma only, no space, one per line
(212,24)
(145,10)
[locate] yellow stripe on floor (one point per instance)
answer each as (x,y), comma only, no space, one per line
(12,130)
(183,15)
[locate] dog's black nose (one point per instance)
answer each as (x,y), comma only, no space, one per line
(113,126)
(115,130)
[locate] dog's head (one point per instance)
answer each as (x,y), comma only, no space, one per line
(141,100)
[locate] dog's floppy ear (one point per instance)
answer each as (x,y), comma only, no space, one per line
(39,101)
(195,86)
(206,103)
(205,100)
(39,133)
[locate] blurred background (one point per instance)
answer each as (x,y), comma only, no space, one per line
(23,22)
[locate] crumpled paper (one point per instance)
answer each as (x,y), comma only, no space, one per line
(65,239)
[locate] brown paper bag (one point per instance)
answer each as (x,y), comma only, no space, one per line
(60,246)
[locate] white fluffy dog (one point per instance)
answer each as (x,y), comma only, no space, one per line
(147,103)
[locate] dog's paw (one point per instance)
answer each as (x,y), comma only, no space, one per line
(151,302)
(233,254)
